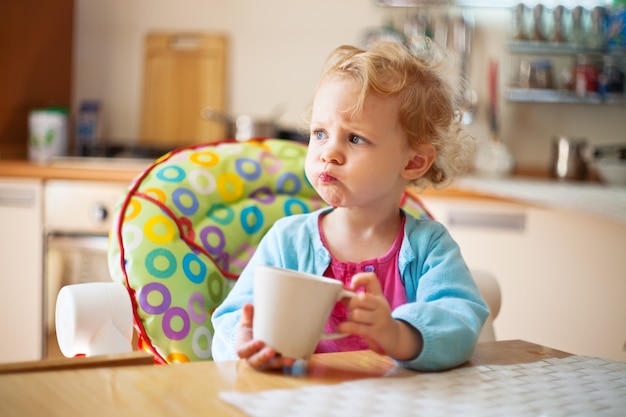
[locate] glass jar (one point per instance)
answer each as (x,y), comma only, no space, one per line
(541,74)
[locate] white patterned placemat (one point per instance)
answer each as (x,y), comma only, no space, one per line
(572,386)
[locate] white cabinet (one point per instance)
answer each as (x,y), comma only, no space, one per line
(21,269)
(562,273)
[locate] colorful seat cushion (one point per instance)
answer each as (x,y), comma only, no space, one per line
(188,226)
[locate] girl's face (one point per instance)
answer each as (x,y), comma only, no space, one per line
(357,160)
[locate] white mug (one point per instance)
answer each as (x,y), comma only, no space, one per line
(291,309)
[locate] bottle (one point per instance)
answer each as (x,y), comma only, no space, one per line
(596,38)
(616,26)
(558,34)
(88,128)
(611,78)
(578,30)
(586,76)
(519,22)
(539,30)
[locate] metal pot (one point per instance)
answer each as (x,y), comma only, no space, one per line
(568,158)
(243,127)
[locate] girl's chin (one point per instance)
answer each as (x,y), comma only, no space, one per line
(331,200)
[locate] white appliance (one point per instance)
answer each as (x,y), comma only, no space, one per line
(77,219)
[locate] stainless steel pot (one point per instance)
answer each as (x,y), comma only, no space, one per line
(568,158)
(243,127)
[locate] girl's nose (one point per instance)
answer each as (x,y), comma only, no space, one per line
(332,153)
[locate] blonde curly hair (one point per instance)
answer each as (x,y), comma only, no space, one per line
(430,93)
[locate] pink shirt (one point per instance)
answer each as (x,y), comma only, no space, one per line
(386,268)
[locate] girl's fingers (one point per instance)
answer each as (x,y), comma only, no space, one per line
(244,334)
(368,281)
(267,358)
(253,351)
(250,348)
(247,315)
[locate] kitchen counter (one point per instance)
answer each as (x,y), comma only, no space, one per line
(93,169)
(589,197)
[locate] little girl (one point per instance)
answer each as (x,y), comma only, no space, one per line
(382,119)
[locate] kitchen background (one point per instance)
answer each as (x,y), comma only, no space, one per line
(557,244)
(275,52)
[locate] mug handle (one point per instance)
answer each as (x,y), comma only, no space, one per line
(333,336)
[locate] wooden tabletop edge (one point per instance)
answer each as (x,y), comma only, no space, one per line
(123,359)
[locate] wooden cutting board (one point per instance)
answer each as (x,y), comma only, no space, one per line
(183,73)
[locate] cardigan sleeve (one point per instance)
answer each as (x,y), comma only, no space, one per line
(445,305)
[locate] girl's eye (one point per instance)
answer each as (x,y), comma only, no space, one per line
(320,135)
(357,140)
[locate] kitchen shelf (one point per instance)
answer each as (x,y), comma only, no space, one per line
(537,95)
(496,4)
(560,51)
(553,48)
(413,3)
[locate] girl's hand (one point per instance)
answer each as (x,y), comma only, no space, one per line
(253,351)
(370,318)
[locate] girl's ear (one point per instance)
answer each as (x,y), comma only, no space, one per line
(421,161)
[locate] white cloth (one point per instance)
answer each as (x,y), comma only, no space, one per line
(572,386)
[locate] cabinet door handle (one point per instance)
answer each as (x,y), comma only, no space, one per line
(502,221)
(98,212)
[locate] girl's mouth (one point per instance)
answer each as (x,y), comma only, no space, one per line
(325,178)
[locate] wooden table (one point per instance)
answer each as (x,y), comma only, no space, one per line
(192,389)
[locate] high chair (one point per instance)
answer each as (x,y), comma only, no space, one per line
(182,234)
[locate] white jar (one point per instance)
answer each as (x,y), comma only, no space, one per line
(47,133)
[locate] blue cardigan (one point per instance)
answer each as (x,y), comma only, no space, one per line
(444,303)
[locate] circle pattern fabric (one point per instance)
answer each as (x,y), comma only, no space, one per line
(188,226)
